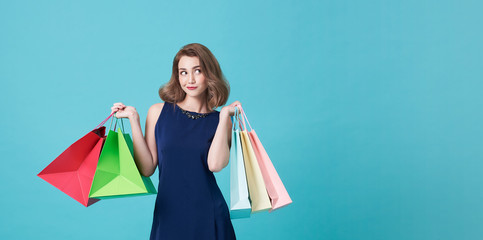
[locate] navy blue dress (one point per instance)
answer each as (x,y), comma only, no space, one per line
(189,204)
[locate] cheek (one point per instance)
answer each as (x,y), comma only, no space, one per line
(201,79)
(182,78)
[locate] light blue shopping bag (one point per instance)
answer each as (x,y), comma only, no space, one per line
(240,206)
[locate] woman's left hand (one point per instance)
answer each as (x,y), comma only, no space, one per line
(230,109)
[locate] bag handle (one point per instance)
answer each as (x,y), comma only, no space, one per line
(122,125)
(236,120)
(115,123)
(244,116)
(105,120)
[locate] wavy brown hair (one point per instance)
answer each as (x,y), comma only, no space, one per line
(218,88)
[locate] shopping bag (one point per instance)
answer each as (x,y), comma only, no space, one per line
(240,206)
(73,170)
(116,174)
(276,190)
(256,186)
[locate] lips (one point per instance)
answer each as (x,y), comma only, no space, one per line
(191,88)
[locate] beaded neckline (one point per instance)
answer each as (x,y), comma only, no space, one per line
(193,115)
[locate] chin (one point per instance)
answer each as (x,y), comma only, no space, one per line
(191,94)
(194,94)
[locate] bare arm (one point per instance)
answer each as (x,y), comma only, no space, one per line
(219,153)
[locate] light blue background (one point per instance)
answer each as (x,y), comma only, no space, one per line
(370,110)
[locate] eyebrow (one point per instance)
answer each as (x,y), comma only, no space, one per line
(193,67)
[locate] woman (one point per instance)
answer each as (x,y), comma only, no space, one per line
(188,140)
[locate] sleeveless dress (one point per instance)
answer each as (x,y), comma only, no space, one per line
(189,204)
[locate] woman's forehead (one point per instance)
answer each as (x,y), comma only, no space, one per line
(188,62)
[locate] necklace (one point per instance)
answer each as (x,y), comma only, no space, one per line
(192,116)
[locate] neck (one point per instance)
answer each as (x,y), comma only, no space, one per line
(194,104)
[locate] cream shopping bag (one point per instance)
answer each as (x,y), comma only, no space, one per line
(256,186)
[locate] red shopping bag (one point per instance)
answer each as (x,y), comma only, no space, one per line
(73,170)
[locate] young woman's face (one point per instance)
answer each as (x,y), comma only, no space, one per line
(191,77)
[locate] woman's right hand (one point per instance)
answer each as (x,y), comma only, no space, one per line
(123,111)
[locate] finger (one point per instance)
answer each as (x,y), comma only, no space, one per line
(116,109)
(233,110)
(120,105)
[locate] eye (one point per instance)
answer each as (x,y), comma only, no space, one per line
(198,71)
(182,73)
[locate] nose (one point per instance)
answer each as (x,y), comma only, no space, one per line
(191,79)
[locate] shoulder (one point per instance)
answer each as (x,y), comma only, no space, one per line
(155,110)
(156,107)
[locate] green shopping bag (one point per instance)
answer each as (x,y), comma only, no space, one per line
(116,174)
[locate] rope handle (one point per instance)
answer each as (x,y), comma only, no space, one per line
(105,120)
(236,119)
(244,116)
(115,123)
